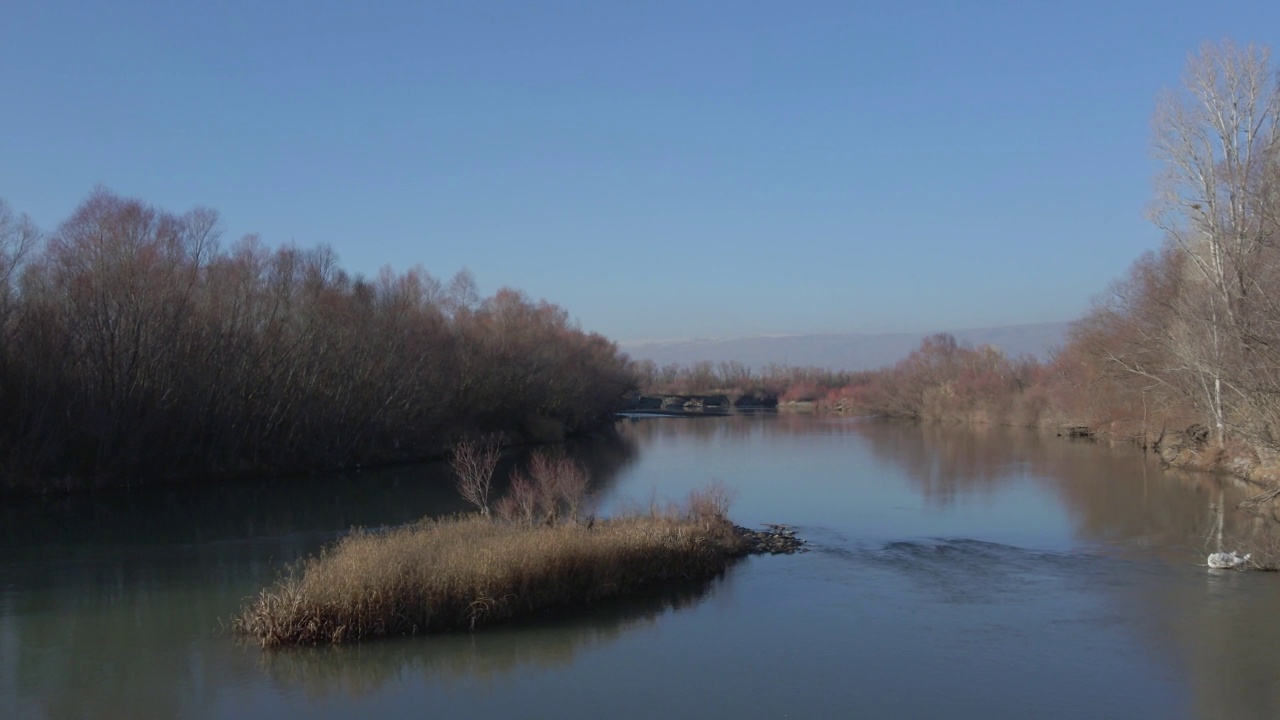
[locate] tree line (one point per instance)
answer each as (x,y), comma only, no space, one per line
(941,379)
(134,348)
(773,382)
(1195,327)
(1184,351)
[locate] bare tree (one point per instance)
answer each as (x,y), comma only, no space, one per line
(133,345)
(562,484)
(474,462)
(18,235)
(1218,138)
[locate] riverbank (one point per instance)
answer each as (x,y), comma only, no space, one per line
(547,434)
(468,572)
(139,351)
(907,521)
(1176,436)
(1191,448)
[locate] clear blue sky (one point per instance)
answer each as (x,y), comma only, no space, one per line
(659,169)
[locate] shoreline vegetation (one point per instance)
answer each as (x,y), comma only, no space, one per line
(135,348)
(1076,393)
(1180,357)
(536,550)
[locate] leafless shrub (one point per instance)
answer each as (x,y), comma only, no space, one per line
(711,502)
(474,462)
(506,508)
(521,502)
(561,483)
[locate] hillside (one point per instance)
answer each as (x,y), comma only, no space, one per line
(839,351)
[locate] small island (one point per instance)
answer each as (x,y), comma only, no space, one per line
(535,550)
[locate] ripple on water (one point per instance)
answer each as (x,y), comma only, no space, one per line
(966,570)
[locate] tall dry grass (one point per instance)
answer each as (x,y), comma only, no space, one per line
(467,572)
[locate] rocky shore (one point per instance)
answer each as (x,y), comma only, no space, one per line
(772,540)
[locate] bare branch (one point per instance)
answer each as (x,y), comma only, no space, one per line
(474,462)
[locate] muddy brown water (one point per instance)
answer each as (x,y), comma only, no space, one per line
(953,573)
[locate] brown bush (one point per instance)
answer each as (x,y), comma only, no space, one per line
(711,502)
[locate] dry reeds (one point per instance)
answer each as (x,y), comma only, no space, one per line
(467,572)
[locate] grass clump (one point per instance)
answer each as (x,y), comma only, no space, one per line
(470,571)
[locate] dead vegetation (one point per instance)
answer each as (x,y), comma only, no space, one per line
(540,552)
(468,572)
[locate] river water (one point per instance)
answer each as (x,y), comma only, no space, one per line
(954,573)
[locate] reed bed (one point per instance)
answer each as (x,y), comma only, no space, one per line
(467,572)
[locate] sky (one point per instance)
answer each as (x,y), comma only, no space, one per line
(659,169)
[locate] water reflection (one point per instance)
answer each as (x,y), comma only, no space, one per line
(1012,573)
(271,509)
(1115,494)
(1120,504)
(1119,496)
(552,641)
(116,600)
(944,464)
(731,428)
(1225,626)
(136,653)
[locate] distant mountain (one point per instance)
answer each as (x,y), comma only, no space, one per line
(840,351)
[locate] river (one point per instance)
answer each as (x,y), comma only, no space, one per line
(954,572)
